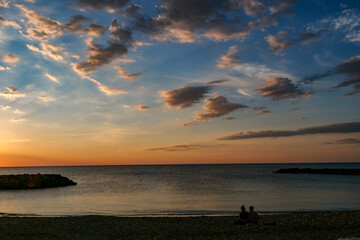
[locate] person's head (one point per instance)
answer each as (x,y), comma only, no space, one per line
(242,208)
(251,208)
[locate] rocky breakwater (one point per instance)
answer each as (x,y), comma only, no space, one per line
(33,181)
(334,171)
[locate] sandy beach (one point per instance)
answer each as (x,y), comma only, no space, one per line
(312,225)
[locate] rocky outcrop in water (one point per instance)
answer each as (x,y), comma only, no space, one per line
(33,181)
(334,171)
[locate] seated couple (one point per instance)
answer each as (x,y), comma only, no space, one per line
(247,218)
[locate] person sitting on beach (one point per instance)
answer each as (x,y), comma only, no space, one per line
(243,216)
(253,216)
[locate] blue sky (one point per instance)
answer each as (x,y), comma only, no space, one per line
(142,82)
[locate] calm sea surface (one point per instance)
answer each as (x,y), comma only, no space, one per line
(183,189)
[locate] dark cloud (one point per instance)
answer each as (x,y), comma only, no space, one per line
(217,82)
(262,110)
(179,147)
(120,34)
(185,21)
(109,5)
(350,68)
(184,97)
(131,10)
(345,141)
(216,107)
(142,108)
(120,40)
(350,127)
(99,56)
(282,41)
(281,88)
(77,22)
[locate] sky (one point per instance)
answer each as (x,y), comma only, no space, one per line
(108,82)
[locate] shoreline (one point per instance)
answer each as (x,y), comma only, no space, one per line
(173,215)
(305,225)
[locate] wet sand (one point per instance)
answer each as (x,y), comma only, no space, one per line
(313,225)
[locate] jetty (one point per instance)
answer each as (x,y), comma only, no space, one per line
(33,181)
(333,171)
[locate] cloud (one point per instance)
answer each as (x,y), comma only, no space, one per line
(18,111)
(2,107)
(4,4)
(105,89)
(282,41)
(12,93)
(184,97)
(10,58)
(349,127)
(4,68)
(230,59)
(216,107)
(40,27)
(179,147)
(345,141)
(131,10)
(48,50)
(142,108)
(279,88)
(347,22)
(217,82)
(76,25)
(301,118)
(46,98)
(187,21)
(9,23)
(350,68)
(120,40)
(108,5)
(264,111)
(124,74)
(52,78)
(19,119)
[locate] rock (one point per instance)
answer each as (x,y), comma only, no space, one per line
(33,181)
(335,171)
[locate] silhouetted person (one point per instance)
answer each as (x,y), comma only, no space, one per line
(253,217)
(243,216)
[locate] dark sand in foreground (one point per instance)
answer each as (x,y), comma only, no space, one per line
(315,225)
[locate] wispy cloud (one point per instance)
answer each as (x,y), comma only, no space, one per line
(12,93)
(48,50)
(52,78)
(349,127)
(142,108)
(45,98)
(19,119)
(282,41)
(230,59)
(127,75)
(345,141)
(10,58)
(350,68)
(347,22)
(9,23)
(105,89)
(179,147)
(40,27)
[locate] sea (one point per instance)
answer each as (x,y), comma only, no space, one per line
(183,190)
